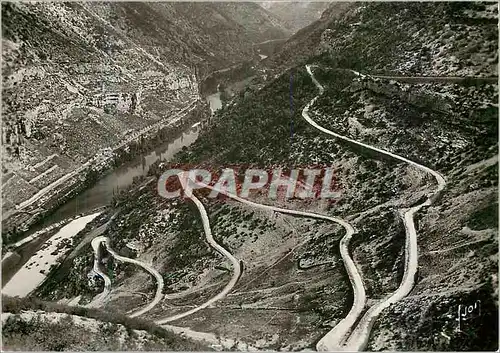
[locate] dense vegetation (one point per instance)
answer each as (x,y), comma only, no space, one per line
(256,128)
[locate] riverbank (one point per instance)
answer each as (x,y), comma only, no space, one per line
(32,217)
(14,256)
(32,274)
(135,164)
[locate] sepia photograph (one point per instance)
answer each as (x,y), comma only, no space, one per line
(290,176)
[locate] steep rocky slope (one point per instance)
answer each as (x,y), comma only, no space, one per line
(82,78)
(35,325)
(449,39)
(294,287)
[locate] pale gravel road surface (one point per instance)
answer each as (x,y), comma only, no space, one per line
(159,279)
(335,339)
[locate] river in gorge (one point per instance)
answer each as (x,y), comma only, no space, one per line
(101,193)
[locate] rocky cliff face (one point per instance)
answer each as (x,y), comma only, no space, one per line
(306,41)
(449,39)
(79,77)
(448,126)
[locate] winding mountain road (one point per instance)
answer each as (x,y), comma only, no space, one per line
(96,242)
(360,334)
(208,234)
(438,79)
(354,275)
(100,299)
(344,336)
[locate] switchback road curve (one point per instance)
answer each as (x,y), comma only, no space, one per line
(96,242)
(351,268)
(208,234)
(360,334)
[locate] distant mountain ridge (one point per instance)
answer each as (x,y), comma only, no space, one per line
(297,14)
(448,38)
